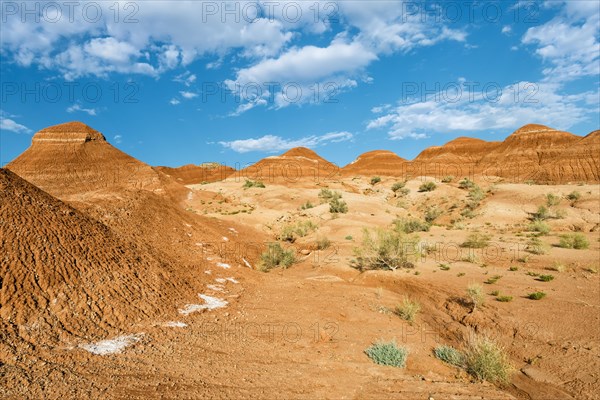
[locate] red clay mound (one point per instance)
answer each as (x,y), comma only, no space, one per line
(533,152)
(194,174)
(377,162)
(73,158)
(297,164)
(66,278)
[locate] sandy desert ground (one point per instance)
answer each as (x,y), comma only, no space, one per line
(134,284)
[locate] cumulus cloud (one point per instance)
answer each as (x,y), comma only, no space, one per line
(188,95)
(509,108)
(77,107)
(569,42)
(274,144)
(7,124)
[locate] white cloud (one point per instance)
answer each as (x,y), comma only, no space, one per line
(517,105)
(7,124)
(569,42)
(77,107)
(507,29)
(174,102)
(188,95)
(118,139)
(273,144)
(187,78)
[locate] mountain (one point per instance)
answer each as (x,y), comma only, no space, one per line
(73,158)
(377,162)
(297,164)
(194,174)
(66,277)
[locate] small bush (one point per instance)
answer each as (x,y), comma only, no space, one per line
(375,180)
(466,183)
(487,361)
(539,226)
(449,355)
(290,233)
(408,310)
(427,187)
(495,293)
(552,200)
(476,241)
(475,294)
(541,214)
(447,179)
(536,295)
(326,195)
(349,237)
(493,279)
(276,256)
(476,194)
(536,246)
(338,206)
(545,278)
(251,184)
(410,225)
(387,354)
(574,196)
(397,186)
(573,241)
(444,267)
(307,205)
(557,266)
(432,214)
(504,299)
(385,249)
(513,268)
(323,243)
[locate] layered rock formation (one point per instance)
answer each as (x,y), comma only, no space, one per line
(73,158)
(377,162)
(297,164)
(194,174)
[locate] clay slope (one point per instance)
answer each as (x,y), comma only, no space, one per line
(194,174)
(297,164)
(530,153)
(377,162)
(73,158)
(65,277)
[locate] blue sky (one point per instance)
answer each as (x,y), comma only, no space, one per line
(174,83)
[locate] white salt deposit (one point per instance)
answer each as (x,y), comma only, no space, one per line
(216,288)
(225,238)
(221,280)
(223,265)
(210,304)
(233,230)
(247,263)
(175,324)
(232,280)
(111,346)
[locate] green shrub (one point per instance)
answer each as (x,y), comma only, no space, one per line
(444,267)
(476,194)
(545,278)
(495,293)
(410,225)
(476,241)
(493,279)
(349,237)
(539,226)
(513,268)
(432,214)
(338,206)
(552,200)
(388,354)
(504,299)
(447,179)
(449,355)
(326,195)
(574,196)
(306,205)
(251,184)
(536,246)
(487,361)
(466,183)
(427,187)
(398,185)
(573,241)
(541,214)
(323,243)
(375,180)
(385,249)
(536,295)
(291,232)
(408,309)
(475,294)
(276,256)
